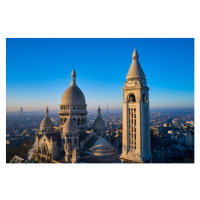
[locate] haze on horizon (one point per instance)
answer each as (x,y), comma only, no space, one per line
(38,71)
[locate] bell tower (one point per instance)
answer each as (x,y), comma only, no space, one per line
(136,144)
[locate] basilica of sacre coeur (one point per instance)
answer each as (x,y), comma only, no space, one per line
(68,142)
(72,142)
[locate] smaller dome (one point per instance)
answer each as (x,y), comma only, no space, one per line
(99,124)
(46,124)
(70,125)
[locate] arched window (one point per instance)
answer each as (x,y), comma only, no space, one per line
(132,98)
(74,119)
(82,121)
(144,98)
(78,122)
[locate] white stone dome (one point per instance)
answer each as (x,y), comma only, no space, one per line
(73,96)
(46,124)
(69,125)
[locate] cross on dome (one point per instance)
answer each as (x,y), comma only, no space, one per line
(73,75)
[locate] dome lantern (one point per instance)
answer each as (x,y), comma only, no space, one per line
(73,75)
(99,111)
(135,55)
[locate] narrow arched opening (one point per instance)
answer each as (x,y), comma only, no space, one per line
(44,150)
(132,98)
(144,98)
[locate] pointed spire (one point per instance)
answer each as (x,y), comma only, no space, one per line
(73,72)
(135,68)
(99,111)
(135,54)
(73,75)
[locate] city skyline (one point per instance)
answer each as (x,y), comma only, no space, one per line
(39,71)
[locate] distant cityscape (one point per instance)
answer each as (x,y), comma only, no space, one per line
(172,133)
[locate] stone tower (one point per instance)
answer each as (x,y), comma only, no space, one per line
(136,145)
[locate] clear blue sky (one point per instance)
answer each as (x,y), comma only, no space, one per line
(38,71)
